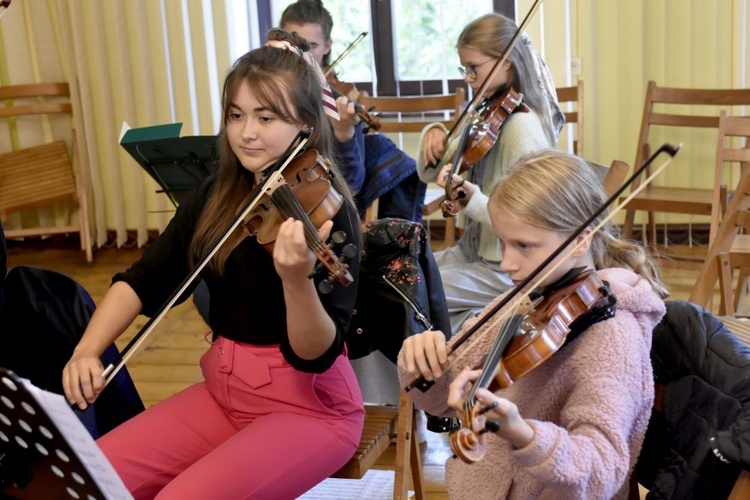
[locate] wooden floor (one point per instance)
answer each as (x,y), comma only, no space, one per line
(168,361)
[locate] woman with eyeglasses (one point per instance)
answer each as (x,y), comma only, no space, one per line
(470,270)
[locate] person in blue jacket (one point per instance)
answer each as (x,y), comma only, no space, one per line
(374,167)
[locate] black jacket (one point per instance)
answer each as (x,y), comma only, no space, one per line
(46,315)
(397,263)
(705,373)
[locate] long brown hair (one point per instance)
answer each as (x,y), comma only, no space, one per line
(287,85)
(558,191)
(490,34)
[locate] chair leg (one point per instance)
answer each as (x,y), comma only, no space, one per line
(408,454)
(740,291)
(652,230)
(450,231)
(417,470)
(725,283)
(627,225)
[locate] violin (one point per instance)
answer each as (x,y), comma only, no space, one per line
(478,139)
(306,194)
(349,90)
(530,339)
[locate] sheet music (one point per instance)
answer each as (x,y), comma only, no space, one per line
(81,442)
(374,485)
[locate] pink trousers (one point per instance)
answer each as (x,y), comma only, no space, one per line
(255,428)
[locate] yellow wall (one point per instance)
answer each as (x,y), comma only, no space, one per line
(148,63)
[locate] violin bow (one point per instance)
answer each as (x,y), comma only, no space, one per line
(346,51)
(423,384)
(461,122)
(269,184)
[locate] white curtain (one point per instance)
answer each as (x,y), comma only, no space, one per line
(144,62)
(150,62)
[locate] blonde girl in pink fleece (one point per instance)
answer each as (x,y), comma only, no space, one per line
(572,427)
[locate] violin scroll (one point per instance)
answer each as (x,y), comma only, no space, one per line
(348,252)
(468,444)
(349,90)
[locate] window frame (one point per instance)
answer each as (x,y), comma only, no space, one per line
(382,37)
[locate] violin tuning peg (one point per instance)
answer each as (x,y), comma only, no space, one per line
(325,287)
(338,237)
(316,269)
(349,251)
(490,426)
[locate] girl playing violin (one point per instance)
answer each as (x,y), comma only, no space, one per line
(470,269)
(279,409)
(572,427)
(374,167)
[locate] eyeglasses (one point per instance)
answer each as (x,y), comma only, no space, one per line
(470,70)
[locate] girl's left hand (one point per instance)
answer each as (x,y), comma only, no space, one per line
(292,258)
(512,425)
(458,183)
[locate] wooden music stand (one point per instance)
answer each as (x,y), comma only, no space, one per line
(45,451)
(177,164)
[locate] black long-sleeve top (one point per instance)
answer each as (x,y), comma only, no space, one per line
(247,302)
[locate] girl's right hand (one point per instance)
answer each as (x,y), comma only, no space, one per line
(425,354)
(343,128)
(82,379)
(433,146)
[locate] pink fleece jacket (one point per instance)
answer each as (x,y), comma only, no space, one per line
(589,405)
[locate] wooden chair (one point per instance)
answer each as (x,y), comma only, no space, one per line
(729,248)
(40,175)
(376,438)
(614,177)
(575,118)
(671,199)
(411,115)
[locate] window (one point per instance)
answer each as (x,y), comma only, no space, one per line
(426,32)
(415,40)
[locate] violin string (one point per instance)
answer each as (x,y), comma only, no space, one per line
(290,206)
(524,295)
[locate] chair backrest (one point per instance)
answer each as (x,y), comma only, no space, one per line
(727,222)
(413,113)
(612,176)
(567,96)
(687,108)
(729,150)
(34,176)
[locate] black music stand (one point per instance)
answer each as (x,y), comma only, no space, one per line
(177,164)
(45,451)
